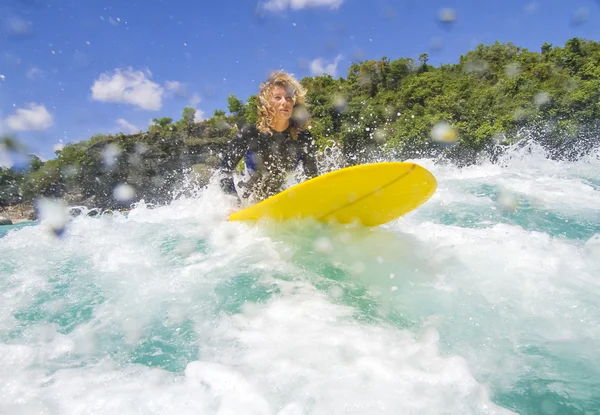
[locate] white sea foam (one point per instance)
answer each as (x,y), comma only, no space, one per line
(173,309)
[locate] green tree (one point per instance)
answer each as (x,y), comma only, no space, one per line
(235,105)
(186,123)
(188,115)
(388,105)
(238,110)
(10,182)
(251,110)
(424,58)
(162,122)
(35,163)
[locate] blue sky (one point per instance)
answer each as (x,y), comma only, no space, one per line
(70,69)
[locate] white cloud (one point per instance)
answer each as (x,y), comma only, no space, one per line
(175,88)
(320,67)
(199,116)
(129,87)
(127,127)
(280,5)
(36,117)
(195,100)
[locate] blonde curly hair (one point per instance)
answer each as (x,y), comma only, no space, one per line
(299,120)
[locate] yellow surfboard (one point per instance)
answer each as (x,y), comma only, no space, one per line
(367,194)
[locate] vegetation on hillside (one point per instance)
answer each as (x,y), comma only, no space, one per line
(381,107)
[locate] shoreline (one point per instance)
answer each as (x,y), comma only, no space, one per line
(26,213)
(18,213)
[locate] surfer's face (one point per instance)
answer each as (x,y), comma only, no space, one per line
(282,101)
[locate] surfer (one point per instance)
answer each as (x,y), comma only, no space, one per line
(273,146)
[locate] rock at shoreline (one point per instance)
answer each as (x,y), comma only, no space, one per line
(16,214)
(5,221)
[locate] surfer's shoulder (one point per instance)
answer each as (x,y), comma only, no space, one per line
(305,135)
(249,129)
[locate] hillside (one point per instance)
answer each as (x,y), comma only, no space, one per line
(495,95)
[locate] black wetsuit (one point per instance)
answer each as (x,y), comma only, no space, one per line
(273,156)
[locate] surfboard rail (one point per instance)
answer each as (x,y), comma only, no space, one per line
(370,194)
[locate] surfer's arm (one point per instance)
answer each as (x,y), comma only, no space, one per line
(234,153)
(309,156)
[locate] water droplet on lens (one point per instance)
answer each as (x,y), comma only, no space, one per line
(123,192)
(323,245)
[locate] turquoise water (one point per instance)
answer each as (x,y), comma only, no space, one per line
(482,301)
(7,228)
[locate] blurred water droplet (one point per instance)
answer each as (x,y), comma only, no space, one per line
(52,213)
(571,85)
(358,54)
(302,64)
(443,132)
(340,102)
(70,170)
(230,234)
(394,288)
(364,80)
(581,15)
(110,153)
(158,180)
(436,43)
(499,138)
(345,238)
(389,13)
(531,7)
(300,114)
(380,135)
(476,66)
(140,148)
(123,192)
(134,159)
(12,144)
(18,28)
(336,291)
(84,340)
(392,276)
(541,99)
(591,249)
(379,260)
(223,125)
(58,146)
(357,268)
(176,313)
(513,69)
(286,253)
(5,158)
(323,245)
(133,330)
(507,201)
(447,15)
(520,114)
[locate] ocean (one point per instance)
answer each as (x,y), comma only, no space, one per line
(485,300)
